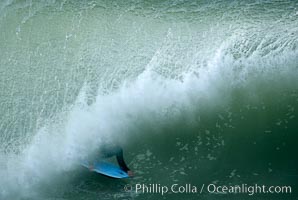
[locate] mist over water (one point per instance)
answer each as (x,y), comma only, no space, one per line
(195,92)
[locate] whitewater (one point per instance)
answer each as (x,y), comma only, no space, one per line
(194,92)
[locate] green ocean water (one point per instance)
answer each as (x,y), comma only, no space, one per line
(195,92)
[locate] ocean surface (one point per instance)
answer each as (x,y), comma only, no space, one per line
(195,92)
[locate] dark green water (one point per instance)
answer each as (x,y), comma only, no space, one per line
(196,92)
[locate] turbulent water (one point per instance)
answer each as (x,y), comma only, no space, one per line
(195,92)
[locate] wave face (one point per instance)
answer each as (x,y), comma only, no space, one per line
(195,92)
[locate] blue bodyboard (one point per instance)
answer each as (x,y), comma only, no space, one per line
(107,169)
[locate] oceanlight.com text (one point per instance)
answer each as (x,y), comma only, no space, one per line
(207,188)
